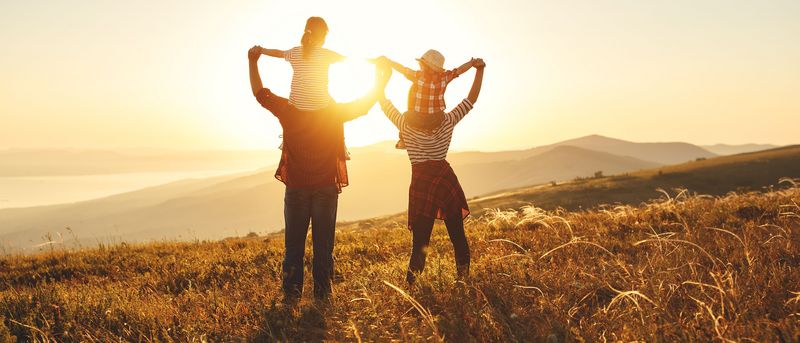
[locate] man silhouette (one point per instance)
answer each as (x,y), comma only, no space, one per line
(313,168)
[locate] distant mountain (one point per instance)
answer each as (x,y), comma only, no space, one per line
(71,162)
(727,149)
(660,153)
(557,164)
(226,206)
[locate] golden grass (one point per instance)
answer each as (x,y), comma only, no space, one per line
(683,268)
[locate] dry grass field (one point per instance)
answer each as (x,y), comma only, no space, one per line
(680,268)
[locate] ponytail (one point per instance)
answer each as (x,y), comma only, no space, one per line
(314,35)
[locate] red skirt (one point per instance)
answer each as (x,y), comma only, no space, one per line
(435,192)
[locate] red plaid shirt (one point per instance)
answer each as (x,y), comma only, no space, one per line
(435,193)
(427,89)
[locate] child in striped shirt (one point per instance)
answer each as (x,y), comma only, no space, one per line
(310,63)
(426,96)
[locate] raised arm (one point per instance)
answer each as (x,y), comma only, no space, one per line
(382,78)
(407,72)
(464,67)
(465,106)
(277,105)
(476,84)
(336,57)
(255,78)
(273,52)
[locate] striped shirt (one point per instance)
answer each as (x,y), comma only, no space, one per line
(310,79)
(422,146)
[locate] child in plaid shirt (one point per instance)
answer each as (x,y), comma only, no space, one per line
(426,96)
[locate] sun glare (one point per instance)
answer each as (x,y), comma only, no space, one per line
(350,79)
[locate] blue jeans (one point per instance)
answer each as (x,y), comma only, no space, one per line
(317,205)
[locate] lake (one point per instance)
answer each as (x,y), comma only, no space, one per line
(49,190)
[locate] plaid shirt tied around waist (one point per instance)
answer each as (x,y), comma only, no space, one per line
(435,192)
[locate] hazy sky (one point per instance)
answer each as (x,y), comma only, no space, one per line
(173,74)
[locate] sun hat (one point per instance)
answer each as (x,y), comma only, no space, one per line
(433,59)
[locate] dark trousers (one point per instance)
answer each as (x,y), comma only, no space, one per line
(422,237)
(317,205)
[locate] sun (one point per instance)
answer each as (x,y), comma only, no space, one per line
(350,79)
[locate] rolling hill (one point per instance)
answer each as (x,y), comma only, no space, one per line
(716,176)
(233,206)
(559,163)
(659,153)
(728,149)
(701,269)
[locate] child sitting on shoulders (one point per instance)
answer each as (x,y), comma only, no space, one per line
(426,95)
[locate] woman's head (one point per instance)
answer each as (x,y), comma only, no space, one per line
(315,32)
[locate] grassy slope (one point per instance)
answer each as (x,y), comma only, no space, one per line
(689,269)
(692,282)
(716,176)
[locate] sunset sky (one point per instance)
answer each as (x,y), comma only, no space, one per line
(173,74)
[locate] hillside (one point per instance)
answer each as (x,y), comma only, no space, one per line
(559,163)
(716,176)
(733,149)
(680,269)
(233,206)
(659,153)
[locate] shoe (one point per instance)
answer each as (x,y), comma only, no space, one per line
(462,272)
(411,278)
(290,301)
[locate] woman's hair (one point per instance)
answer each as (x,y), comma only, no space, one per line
(314,35)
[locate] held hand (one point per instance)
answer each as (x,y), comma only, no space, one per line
(382,75)
(254,52)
